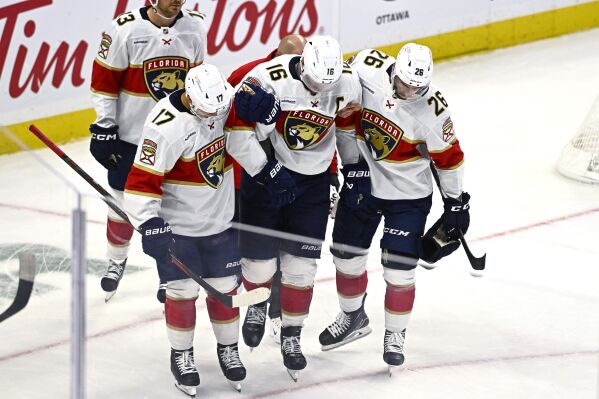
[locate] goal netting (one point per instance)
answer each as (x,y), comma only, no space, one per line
(579,159)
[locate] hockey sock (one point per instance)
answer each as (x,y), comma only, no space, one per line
(180,315)
(399,301)
(350,290)
(295,304)
(248,285)
(225,320)
(119,234)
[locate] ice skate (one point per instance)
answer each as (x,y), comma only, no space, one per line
(253,325)
(112,277)
(185,372)
(161,293)
(293,359)
(346,328)
(230,364)
(274,329)
(393,350)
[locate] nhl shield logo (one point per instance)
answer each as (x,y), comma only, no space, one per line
(164,75)
(303,129)
(211,162)
(380,134)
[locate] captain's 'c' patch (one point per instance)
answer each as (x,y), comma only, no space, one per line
(303,129)
(211,162)
(148,152)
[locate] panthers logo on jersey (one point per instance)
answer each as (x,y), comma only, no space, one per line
(164,75)
(303,129)
(211,162)
(380,134)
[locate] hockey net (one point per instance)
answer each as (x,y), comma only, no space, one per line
(579,159)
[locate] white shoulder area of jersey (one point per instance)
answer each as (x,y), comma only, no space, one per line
(194,18)
(128,22)
(432,108)
(273,73)
(170,123)
(371,66)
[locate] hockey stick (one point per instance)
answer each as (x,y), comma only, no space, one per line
(26,277)
(242,299)
(477,263)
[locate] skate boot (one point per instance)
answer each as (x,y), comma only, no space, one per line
(112,277)
(184,370)
(275,329)
(253,325)
(291,350)
(393,349)
(346,328)
(230,364)
(161,293)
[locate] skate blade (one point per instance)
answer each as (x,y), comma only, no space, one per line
(187,390)
(361,333)
(395,369)
(294,374)
(109,295)
(236,385)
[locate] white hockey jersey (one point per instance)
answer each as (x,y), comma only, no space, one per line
(303,137)
(391,131)
(138,63)
(181,172)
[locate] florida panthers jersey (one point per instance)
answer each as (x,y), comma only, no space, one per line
(138,63)
(181,172)
(395,135)
(303,137)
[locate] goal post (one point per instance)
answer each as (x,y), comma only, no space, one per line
(579,159)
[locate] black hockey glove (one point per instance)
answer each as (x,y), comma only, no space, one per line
(105,145)
(254,104)
(356,184)
(456,215)
(156,238)
(277,181)
(435,244)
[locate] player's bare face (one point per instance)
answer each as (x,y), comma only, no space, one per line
(402,90)
(169,8)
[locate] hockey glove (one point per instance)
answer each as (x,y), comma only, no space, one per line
(435,244)
(356,184)
(105,145)
(277,181)
(254,104)
(156,238)
(456,215)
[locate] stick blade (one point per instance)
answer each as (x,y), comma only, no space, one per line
(252,297)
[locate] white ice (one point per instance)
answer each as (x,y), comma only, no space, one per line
(528,329)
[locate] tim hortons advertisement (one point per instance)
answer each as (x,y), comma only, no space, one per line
(47,46)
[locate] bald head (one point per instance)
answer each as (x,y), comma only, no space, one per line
(291,44)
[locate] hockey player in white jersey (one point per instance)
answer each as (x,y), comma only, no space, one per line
(311,90)
(404,122)
(143,57)
(179,195)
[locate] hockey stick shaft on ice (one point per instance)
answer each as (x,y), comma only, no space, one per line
(477,263)
(25,287)
(234,301)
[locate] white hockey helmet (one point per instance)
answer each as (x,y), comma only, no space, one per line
(208,91)
(414,65)
(322,63)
